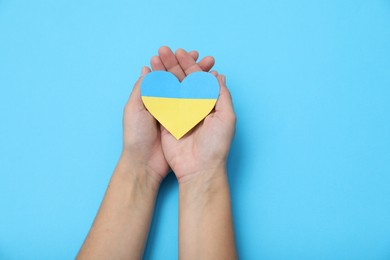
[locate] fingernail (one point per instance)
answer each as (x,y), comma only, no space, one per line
(143,70)
(223,79)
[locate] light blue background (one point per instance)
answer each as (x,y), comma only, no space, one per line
(310,164)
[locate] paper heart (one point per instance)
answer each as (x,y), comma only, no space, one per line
(179,106)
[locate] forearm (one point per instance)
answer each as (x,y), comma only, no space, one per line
(205,217)
(121,226)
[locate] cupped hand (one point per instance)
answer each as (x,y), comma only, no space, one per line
(205,147)
(142,136)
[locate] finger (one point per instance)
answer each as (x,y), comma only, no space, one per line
(224,102)
(145,70)
(135,96)
(194,55)
(156,63)
(170,62)
(187,63)
(206,63)
(214,72)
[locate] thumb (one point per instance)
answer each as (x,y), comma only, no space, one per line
(224,103)
(135,96)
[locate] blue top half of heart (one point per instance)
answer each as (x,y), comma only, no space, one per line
(197,85)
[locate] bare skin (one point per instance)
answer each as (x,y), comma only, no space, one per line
(199,163)
(122,224)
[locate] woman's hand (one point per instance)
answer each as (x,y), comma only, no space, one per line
(204,148)
(198,160)
(142,137)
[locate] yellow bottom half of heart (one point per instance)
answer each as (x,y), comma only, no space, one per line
(178,115)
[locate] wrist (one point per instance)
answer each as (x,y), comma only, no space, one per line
(207,181)
(202,193)
(137,172)
(203,173)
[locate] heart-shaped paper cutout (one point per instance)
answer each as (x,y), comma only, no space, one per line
(179,106)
